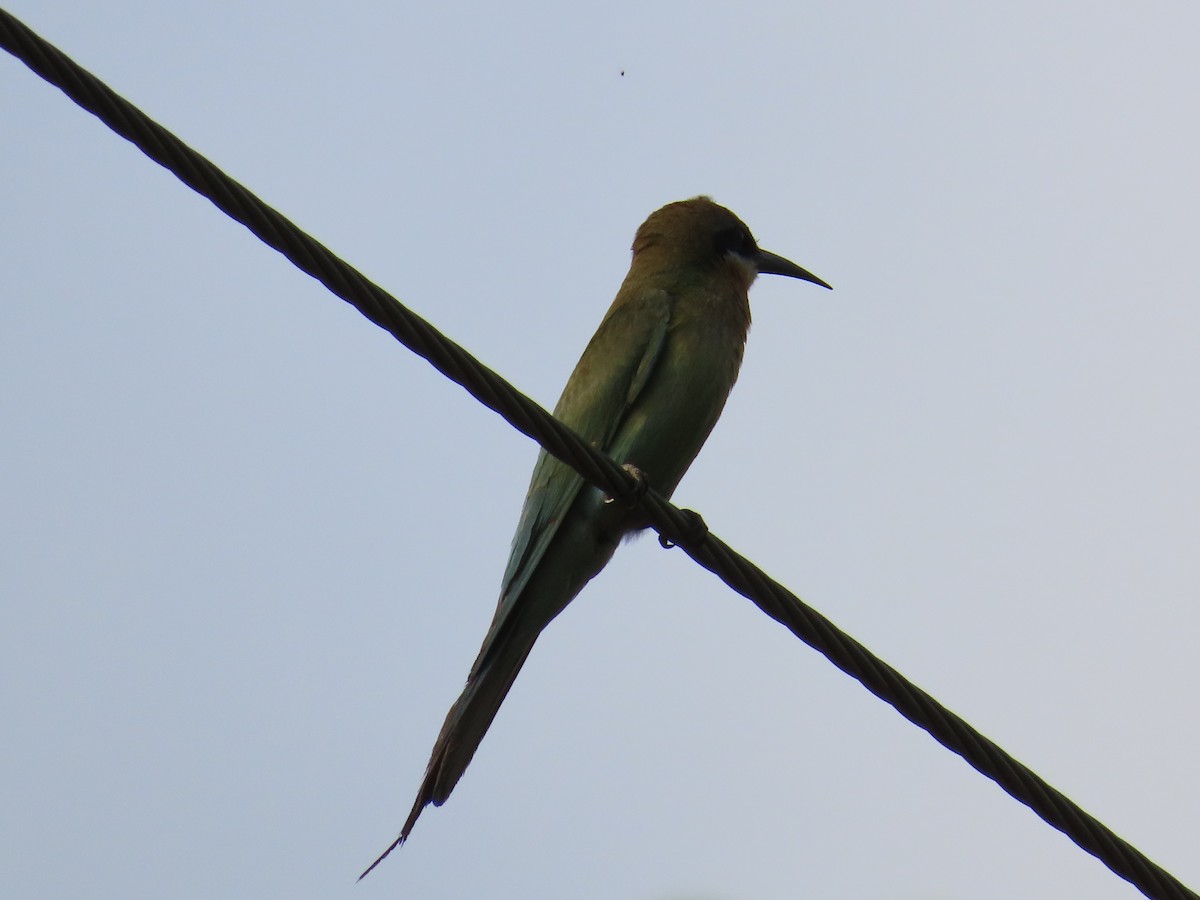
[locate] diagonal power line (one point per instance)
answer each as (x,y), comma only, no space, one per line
(529,418)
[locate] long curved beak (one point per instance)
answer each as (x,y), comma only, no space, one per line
(769,263)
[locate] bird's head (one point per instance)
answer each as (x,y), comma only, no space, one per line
(706,237)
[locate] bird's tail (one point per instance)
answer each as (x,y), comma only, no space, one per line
(467,722)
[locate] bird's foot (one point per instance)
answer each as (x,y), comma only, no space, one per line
(641,484)
(694,531)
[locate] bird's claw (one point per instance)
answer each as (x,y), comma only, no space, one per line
(641,484)
(694,531)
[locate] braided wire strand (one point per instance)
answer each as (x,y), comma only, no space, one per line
(529,418)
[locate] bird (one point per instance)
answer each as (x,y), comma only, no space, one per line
(647,391)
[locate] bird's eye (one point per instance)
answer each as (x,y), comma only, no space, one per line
(735,240)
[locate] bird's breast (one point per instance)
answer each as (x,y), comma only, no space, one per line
(669,423)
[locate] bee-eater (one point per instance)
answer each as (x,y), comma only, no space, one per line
(647,391)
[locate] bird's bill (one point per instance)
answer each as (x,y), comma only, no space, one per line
(769,263)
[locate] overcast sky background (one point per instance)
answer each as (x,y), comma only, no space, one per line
(250,544)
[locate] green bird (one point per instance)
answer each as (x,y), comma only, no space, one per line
(647,391)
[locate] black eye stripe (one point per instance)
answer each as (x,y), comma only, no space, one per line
(735,240)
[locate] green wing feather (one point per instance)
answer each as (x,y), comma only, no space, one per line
(610,376)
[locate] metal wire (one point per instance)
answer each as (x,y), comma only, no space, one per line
(673,524)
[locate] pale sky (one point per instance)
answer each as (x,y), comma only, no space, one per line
(251,544)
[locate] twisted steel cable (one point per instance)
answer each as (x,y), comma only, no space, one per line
(673,524)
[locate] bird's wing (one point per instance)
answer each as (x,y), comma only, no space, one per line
(606,383)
